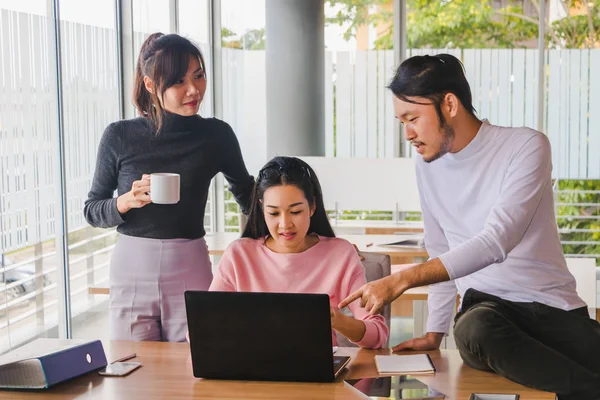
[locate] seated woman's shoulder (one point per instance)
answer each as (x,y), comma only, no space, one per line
(343,254)
(338,243)
(244,244)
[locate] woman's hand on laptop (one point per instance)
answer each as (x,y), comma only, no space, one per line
(431,341)
(350,327)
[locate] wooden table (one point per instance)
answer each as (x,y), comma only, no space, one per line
(218,242)
(167,374)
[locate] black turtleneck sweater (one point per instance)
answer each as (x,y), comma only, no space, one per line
(196,148)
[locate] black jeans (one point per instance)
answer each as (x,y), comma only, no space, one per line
(533,344)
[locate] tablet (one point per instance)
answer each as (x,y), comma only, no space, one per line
(396,387)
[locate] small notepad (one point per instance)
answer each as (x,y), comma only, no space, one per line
(405,364)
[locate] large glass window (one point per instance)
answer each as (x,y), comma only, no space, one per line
(90,103)
(28,176)
(30,197)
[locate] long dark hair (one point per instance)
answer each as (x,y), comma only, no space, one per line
(164,59)
(432,77)
(287,171)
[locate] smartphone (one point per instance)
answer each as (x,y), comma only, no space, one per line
(120,368)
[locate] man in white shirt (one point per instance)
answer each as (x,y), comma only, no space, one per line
(491,234)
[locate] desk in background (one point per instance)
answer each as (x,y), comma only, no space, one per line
(366,227)
(218,242)
(167,374)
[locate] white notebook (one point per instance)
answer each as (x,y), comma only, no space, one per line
(405,364)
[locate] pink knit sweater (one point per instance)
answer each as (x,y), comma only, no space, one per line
(331,266)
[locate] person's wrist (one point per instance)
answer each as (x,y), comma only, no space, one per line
(122,204)
(399,284)
(435,338)
(337,320)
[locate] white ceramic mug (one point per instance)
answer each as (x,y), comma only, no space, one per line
(164,188)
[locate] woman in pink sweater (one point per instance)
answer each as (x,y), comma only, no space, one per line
(288,246)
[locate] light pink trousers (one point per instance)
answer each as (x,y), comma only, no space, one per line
(147,280)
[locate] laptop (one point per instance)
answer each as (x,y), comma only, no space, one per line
(261,336)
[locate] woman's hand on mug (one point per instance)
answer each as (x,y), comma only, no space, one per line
(137,197)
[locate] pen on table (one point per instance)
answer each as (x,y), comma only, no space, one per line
(129,357)
(369,244)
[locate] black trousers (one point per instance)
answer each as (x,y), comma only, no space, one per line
(533,344)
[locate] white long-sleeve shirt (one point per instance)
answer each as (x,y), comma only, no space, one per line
(488,212)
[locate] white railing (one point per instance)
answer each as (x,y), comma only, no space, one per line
(579,222)
(35,295)
(359,113)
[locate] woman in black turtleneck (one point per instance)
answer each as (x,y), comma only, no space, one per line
(160,251)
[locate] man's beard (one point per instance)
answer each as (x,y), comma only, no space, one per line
(447,132)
